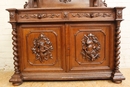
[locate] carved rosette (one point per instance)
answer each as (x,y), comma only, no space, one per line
(65,1)
(119,14)
(42,48)
(12,15)
(90,47)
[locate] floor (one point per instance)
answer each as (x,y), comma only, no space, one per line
(5,76)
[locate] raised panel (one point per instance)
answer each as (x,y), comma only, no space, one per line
(43,54)
(89,53)
(42,48)
(90,46)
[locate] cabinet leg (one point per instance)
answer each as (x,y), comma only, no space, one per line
(16,79)
(117,77)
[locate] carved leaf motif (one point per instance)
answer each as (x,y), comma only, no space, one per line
(42,48)
(39,16)
(91,15)
(90,47)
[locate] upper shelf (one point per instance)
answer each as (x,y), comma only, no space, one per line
(64,3)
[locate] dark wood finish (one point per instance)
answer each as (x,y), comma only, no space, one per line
(66,40)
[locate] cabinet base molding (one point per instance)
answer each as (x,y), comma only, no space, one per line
(117,77)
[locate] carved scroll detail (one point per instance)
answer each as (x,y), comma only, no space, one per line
(39,16)
(42,48)
(91,15)
(65,1)
(90,47)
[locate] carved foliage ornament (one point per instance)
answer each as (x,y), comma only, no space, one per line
(90,47)
(39,16)
(91,15)
(65,1)
(42,48)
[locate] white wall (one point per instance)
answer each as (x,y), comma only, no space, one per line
(125,31)
(6,57)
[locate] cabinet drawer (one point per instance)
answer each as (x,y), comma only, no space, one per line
(64,15)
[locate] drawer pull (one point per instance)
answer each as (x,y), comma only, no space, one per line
(39,16)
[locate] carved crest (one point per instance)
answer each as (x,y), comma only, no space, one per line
(42,48)
(65,1)
(90,47)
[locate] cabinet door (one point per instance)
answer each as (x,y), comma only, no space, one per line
(41,47)
(91,46)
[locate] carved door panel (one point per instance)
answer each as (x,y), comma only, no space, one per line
(42,48)
(90,46)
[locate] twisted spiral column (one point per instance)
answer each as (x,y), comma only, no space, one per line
(117,76)
(15,53)
(16,79)
(117,50)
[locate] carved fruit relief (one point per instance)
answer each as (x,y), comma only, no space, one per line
(42,48)
(90,47)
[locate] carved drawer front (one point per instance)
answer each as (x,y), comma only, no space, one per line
(91,15)
(40,16)
(42,48)
(91,47)
(65,15)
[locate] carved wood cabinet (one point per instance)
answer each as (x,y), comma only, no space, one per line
(66,40)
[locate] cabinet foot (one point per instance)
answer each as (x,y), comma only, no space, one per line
(16,79)
(117,77)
